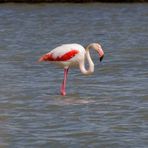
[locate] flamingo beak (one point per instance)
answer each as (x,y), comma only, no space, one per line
(101,58)
(101,53)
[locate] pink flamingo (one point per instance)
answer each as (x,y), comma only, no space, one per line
(69,55)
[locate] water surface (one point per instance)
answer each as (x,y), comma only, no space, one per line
(106,109)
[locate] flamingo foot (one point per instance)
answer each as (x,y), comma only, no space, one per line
(63,93)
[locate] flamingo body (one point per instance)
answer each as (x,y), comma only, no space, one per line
(68,55)
(65,55)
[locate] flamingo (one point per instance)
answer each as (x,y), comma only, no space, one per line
(68,55)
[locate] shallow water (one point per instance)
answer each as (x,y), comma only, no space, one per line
(106,109)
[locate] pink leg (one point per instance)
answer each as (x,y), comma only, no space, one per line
(63,92)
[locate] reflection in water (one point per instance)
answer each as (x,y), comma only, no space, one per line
(72,101)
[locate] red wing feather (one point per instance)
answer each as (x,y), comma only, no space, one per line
(64,57)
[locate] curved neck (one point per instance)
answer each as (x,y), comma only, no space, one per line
(90,62)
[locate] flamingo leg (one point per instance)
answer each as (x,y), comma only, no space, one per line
(63,87)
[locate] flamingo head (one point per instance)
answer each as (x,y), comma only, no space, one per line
(99,49)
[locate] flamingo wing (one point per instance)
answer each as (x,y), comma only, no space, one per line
(61,53)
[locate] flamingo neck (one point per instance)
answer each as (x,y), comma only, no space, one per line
(90,63)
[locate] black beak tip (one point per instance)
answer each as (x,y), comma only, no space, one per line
(101,58)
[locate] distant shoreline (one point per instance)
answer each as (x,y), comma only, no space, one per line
(73,1)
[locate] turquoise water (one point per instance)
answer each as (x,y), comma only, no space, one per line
(107,109)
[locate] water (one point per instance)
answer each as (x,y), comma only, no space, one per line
(107,109)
